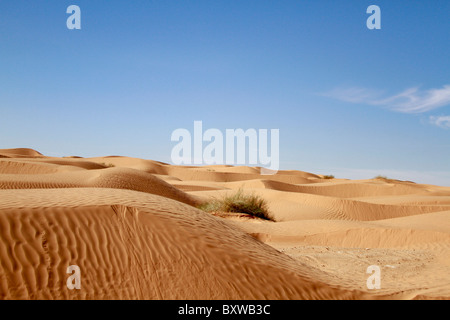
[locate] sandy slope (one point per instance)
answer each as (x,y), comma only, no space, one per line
(132,227)
(143,247)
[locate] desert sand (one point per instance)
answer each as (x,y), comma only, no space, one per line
(132,227)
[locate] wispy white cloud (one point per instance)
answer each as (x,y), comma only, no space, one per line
(412,100)
(354,95)
(441,121)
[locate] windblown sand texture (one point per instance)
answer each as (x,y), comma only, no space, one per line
(133,228)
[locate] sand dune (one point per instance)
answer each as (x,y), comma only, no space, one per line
(12,166)
(20,153)
(288,206)
(132,227)
(339,190)
(149,247)
(118,178)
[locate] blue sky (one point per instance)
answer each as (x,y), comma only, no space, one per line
(348,101)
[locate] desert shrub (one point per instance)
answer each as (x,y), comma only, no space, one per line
(239,202)
(328,176)
(108,165)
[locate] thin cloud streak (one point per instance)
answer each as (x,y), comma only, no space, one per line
(411,100)
(442,121)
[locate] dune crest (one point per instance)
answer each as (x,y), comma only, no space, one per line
(20,153)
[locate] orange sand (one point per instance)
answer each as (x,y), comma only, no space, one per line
(132,227)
